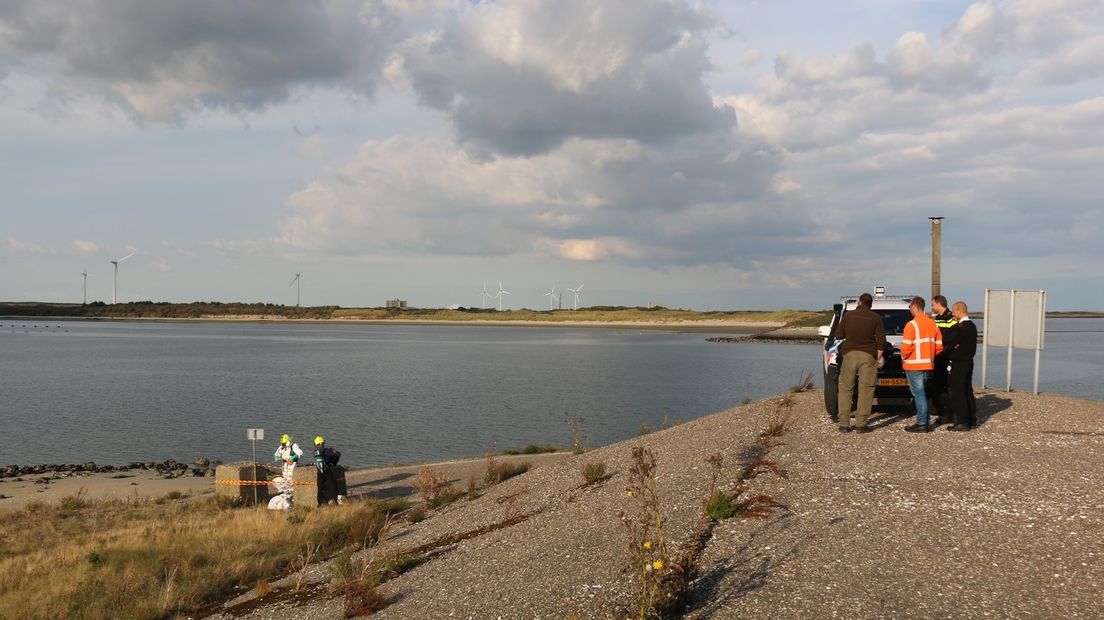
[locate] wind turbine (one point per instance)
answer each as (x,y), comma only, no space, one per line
(483,296)
(575,291)
(85,275)
(501,292)
(551,295)
(295,281)
(115,283)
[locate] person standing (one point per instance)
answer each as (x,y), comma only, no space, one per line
(937,387)
(863,336)
(287,454)
(325,460)
(921,342)
(961,343)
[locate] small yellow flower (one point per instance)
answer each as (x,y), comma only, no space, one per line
(647,544)
(629,493)
(658,565)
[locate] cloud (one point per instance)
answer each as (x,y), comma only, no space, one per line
(596,200)
(161,62)
(24,247)
(80,246)
(521,78)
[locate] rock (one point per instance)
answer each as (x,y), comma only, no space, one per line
(202,462)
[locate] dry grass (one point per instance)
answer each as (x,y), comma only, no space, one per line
(111,559)
(594,472)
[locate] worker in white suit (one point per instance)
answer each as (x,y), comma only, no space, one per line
(287,454)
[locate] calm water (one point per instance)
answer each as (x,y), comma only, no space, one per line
(116,392)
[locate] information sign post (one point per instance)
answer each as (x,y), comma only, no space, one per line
(1016,320)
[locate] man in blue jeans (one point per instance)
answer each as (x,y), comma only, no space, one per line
(921,341)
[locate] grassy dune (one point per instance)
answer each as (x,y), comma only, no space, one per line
(595,314)
(154,559)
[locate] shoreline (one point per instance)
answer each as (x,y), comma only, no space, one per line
(704,326)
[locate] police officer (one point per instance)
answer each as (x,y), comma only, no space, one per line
(937,387)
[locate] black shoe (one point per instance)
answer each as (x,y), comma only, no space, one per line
(959,428)
(917,428)
(864,430)
(940,421)
(835,420)
(845,429)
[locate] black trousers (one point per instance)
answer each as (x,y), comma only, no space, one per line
(937,388)
(961,391)
(327,486)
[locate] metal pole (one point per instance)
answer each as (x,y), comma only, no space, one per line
(985,341)
(936,241)
(255,501)
(1039,340)
(1011,333)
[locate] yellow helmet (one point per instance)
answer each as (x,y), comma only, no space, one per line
(319,441)
(285,438)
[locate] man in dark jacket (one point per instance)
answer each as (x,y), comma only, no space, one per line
(961,345)
(325,461)
(863,336)
(937,387)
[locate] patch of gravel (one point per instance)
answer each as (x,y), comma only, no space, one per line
(1004,521)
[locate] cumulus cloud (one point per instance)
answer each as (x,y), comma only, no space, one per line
(26,247)
(609,199)
(162,61)
(520,78)
(81,246)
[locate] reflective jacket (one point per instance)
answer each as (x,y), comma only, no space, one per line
(920,343)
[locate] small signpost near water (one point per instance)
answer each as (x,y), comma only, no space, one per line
(254,435)
(1017,320)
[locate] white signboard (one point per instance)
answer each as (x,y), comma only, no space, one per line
(1016,320)
(254,434)
(1013,318)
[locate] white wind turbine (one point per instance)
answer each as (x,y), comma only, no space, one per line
(115,283)
(551,295)
(484,295)
(295,281)
(501,292)
(576,291)
(84,274)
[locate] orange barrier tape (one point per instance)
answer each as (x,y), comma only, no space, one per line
(245,483)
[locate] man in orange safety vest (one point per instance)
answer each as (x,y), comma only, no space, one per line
(920,343)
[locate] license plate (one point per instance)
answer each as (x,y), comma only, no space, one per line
(892,382)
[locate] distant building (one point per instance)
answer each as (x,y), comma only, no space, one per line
(396,303)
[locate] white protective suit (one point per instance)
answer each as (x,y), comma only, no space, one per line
(288,456)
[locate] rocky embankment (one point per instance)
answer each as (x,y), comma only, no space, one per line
(167,469)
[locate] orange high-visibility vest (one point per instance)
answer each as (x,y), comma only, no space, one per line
(920,343)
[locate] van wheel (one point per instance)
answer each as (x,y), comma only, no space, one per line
(831,392)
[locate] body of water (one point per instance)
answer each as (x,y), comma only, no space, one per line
(115,392)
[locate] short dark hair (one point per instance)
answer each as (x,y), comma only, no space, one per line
(939,299)
(866,300)
(918,302)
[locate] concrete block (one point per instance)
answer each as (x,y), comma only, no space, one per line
(228,473)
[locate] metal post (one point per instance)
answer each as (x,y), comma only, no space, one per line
(1011,333)
(936,241)
(255,500)
(1039,340)
(985,341)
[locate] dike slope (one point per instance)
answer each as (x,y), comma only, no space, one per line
(1004,521)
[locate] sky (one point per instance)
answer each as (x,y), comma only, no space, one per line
(709,155)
